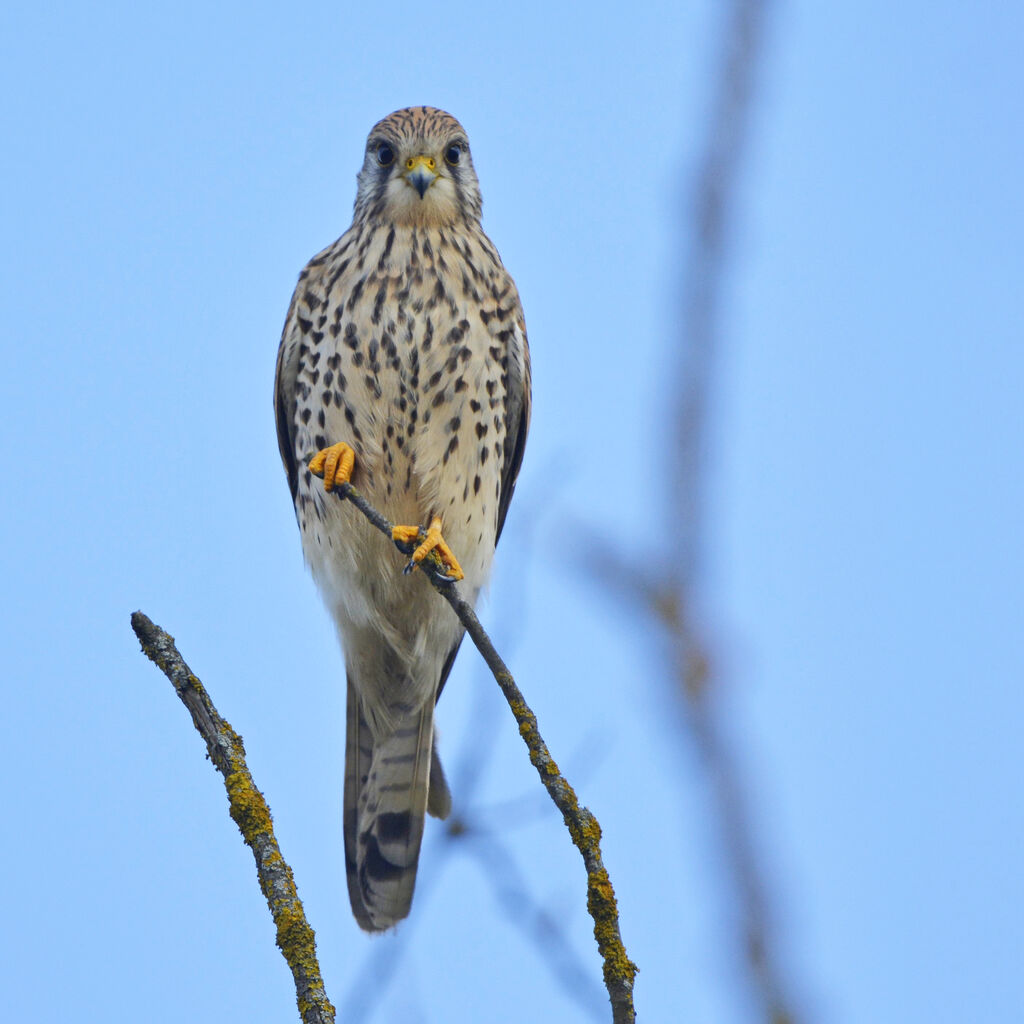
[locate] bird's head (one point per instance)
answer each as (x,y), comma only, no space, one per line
(418,171)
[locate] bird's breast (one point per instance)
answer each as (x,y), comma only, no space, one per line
(408,365)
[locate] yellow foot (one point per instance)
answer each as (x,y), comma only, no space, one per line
(334,464)
(407,535)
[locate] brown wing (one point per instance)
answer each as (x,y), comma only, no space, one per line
(285,383)
(517,412)
(517,419)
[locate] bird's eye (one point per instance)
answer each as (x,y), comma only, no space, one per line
(452,154)
(385,154)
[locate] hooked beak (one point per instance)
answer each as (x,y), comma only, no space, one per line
(420,172)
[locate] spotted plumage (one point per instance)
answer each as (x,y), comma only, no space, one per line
(405,339)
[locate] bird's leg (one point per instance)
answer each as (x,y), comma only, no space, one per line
(408,535)
(334,464)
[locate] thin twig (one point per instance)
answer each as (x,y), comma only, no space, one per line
(467,829)
(295,937)
(619,970)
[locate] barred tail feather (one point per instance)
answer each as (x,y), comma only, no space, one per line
(439,798)
(386,794)
(358,753)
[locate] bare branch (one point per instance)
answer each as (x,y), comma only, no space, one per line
(295,937)
(619,970)
(673,604)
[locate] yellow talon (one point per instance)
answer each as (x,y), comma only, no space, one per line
(434,542)
(334,464)
(405,534)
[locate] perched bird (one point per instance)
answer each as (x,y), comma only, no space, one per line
(403,367)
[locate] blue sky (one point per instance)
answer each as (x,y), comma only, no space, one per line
(167,171)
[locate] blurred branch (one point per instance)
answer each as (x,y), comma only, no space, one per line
(619,970)
(530,916)
(713,198)
(295,938)
(674,604)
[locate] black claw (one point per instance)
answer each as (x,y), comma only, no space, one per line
(409,568)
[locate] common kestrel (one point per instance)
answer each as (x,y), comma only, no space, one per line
(404,366)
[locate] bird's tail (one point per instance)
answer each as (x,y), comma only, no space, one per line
(389,785)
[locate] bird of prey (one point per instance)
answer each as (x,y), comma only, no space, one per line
(403,368)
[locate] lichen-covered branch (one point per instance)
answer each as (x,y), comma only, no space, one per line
(249,810)
(619,970)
